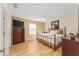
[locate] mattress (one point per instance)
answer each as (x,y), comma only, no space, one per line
(50,37)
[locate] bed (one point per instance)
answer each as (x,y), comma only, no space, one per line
(52,39)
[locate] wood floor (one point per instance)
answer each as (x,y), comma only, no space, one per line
(33,48)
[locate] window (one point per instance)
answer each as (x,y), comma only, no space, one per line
(32,29)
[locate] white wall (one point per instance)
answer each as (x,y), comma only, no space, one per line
(47,25)
(71,24)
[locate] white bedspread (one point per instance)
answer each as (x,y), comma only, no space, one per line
(50,37)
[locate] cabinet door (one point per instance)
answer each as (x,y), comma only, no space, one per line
(22,35)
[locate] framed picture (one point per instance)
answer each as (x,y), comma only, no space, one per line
(55,24)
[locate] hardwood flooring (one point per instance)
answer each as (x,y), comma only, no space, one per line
(33,48)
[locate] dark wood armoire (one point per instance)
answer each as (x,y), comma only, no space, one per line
(18,32)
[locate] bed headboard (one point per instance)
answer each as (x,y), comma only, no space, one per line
(59,31)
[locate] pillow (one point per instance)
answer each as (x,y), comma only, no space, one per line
(72,36)
(53,32)
(60,32)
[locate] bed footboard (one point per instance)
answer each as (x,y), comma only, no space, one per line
(45,41)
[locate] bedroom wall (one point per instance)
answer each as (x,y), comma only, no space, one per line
(47,25)
(71,24)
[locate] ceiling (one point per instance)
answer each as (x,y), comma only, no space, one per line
(43,11)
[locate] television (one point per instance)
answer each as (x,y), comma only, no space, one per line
(17,23)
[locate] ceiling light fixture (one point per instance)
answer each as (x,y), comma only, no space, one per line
(15,5)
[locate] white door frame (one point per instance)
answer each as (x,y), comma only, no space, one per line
(5,29)
(1,32)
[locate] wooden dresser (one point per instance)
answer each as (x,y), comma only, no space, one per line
(70,48)
(18,32)
(18,35)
